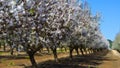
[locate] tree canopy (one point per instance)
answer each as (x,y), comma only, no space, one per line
(34,23)
(116,42)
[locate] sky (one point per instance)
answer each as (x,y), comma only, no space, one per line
(110,16)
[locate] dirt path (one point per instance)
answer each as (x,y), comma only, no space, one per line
(21,61)
(113,62)
(105,59)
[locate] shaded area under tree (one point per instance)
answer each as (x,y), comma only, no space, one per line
(86,61)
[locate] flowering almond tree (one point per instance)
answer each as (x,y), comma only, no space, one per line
(33,23)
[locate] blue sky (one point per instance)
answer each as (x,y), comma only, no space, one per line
(110,12)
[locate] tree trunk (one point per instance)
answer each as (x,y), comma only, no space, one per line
(85,50)
(32,59)
(55,54)
(61,49)
(71,49)
(76,49)
(0,45)
(81,51)
(89,51)
(4,47)
(11,52)
(94,50)
(65,49)
(17,49)
(48,50)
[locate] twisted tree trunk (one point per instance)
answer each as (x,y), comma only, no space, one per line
(32,59)
(55,54)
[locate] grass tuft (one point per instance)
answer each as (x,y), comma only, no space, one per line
(11,64)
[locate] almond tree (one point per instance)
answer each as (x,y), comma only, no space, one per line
(21,25)
(33,23)
(116,43)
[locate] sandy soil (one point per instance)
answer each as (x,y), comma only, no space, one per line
(106,59)
(113,62)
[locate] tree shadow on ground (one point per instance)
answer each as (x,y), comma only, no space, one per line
(86,61)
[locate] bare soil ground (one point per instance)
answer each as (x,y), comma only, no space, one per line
(113,62)
(106,59)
